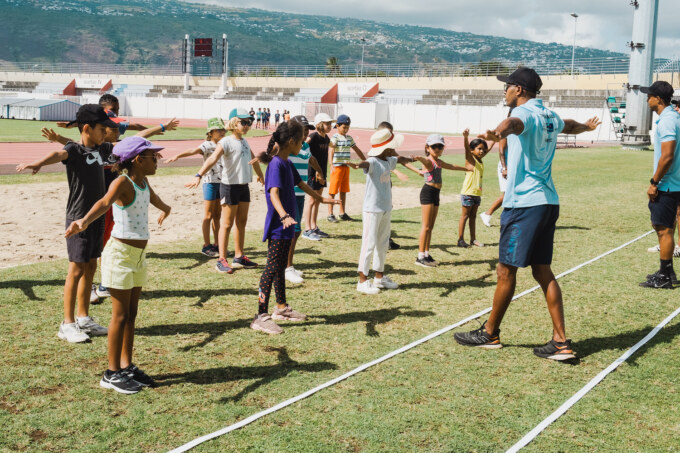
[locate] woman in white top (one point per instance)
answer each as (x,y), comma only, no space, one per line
(235,155)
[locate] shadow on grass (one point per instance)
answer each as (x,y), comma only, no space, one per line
(372,318)
(346,237)
(449,286)
(27,286)
(213,329)
(203,295)
(262,374)
(199,258)
(403,221)
(306,250)
(621,342)
(571,227)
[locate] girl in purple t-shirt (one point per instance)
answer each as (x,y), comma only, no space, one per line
(279,182)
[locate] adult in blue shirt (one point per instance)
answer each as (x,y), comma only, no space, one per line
(664,187)
(531,209)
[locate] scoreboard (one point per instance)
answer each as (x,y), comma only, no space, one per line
(203,47)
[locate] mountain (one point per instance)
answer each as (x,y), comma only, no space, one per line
(151,31)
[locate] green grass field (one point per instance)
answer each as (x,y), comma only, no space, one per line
(29,131)
(193,337)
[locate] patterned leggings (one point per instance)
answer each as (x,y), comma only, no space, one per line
(274,272)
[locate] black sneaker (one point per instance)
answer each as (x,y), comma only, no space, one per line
(331,218)
(479,338)
(674,278)
(120,381)
(346,217)
(657,281)
(139,376)
(462,243)
(243,262)
(554,350)
(432,260)
(394,245)
(424,262)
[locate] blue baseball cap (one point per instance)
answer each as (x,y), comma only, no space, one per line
(131,147)
(239,113)
(343,119)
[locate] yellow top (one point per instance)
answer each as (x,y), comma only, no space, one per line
(473,180)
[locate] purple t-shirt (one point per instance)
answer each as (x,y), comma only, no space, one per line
(282,174)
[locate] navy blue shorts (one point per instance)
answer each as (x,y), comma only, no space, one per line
(211,191)
(527,235)
(664,210)
(300,200)
(233,194)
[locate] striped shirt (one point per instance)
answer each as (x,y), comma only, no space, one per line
(301,164)
(343,146)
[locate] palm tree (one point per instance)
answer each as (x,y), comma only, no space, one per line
(333,67)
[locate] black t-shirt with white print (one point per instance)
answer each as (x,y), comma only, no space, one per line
(85,173)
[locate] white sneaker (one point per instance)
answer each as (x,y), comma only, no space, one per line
(91,327)
(486,219)
(292,276)
(367,288)
(654,249)
(93,295)
(676,251)
(300,273)
(384,283)
(72,333)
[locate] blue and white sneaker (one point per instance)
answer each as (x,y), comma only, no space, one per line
(311,235)
(320,233)
(209,250)
(243,262)
(223,266)
(102,291)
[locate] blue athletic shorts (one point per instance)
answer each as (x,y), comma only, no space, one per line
(527,235)
(211,191)
(300,200)
(664,209)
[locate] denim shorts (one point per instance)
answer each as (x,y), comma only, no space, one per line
(211,191)
(300,200)
(470,200)
(527,235)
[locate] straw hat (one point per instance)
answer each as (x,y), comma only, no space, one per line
(384,139)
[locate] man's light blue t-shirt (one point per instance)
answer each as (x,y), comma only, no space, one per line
(530,156)
(667,130)
(378,196)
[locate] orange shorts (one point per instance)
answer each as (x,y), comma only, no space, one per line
(339,180)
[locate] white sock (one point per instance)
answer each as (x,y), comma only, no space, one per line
(427,253)
(421,255)
(78,318)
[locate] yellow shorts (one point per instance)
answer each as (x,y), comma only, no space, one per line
(123,266)
(339,180)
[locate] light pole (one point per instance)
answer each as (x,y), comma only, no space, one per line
(573,49)
(363,45)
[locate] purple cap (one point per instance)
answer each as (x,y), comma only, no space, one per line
(130,147)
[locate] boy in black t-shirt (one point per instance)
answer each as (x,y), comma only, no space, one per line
(85,172)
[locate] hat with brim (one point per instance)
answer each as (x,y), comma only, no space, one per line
(435,139)
(322,118)
(343,119)
(659,88)
(526,78)
(239,113)
(92,113)
(215,124)
(303,120)
(384,139)
(131,147)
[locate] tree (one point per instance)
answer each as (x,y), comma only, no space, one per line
(333,67)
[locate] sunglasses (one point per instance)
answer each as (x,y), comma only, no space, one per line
(508,85)
(154,156)
(437,146)
(246,122)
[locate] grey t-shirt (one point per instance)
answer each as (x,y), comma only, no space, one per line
(235,167)
(378,196)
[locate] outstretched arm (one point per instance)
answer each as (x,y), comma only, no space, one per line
(572,127)
(362,164)
(99,208)
(207,165)
(508,126)
(256,166)
(309,191)
(158,130)
(187,153)
(469,159)
(52,136)
(449,166)
(51,158)
(359,153)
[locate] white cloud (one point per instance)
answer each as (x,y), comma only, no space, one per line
(604,24)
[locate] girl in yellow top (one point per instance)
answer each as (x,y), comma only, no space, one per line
(471,193)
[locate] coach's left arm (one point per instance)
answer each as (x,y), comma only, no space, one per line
(572,127)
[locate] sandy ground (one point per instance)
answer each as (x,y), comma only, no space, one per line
(32,216)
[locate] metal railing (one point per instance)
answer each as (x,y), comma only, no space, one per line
(590,66)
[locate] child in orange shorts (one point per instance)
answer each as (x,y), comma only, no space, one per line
(340,148)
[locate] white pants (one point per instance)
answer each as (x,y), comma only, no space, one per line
(375,238)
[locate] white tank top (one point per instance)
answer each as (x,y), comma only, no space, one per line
(132,221)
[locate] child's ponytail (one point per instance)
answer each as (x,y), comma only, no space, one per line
(287,131)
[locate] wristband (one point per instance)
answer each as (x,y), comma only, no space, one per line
(285,217)
(162,128)
(198,175)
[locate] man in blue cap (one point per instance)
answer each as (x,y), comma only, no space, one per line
(531,209)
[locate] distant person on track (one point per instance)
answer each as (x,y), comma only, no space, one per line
(318,146)
(277,119)
(664,186)
(235,153)
(502,172)
(211,186)
(286,115)
(258,116)
(124,268)
(341,146)
(429,194)
(471,193)
(531,209)
(84,163)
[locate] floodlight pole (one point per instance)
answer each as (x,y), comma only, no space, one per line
(363,45)
(225,63)
(573,49)
(187,62)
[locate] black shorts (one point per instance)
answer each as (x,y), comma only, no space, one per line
(86,245)
(429,195)
(233,194)
(527,235)
(313,182)
(664,210)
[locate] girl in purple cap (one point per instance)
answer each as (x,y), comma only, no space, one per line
(124,257)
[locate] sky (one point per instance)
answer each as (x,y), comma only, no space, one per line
(603,24)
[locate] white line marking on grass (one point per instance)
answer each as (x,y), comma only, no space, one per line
(252,418)
(531,435)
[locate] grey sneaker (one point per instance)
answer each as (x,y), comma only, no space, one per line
(72,333)
(265,324)
(425,262)
(384,283)
(288,314)
(91,327)
(331,218)
(94,298)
